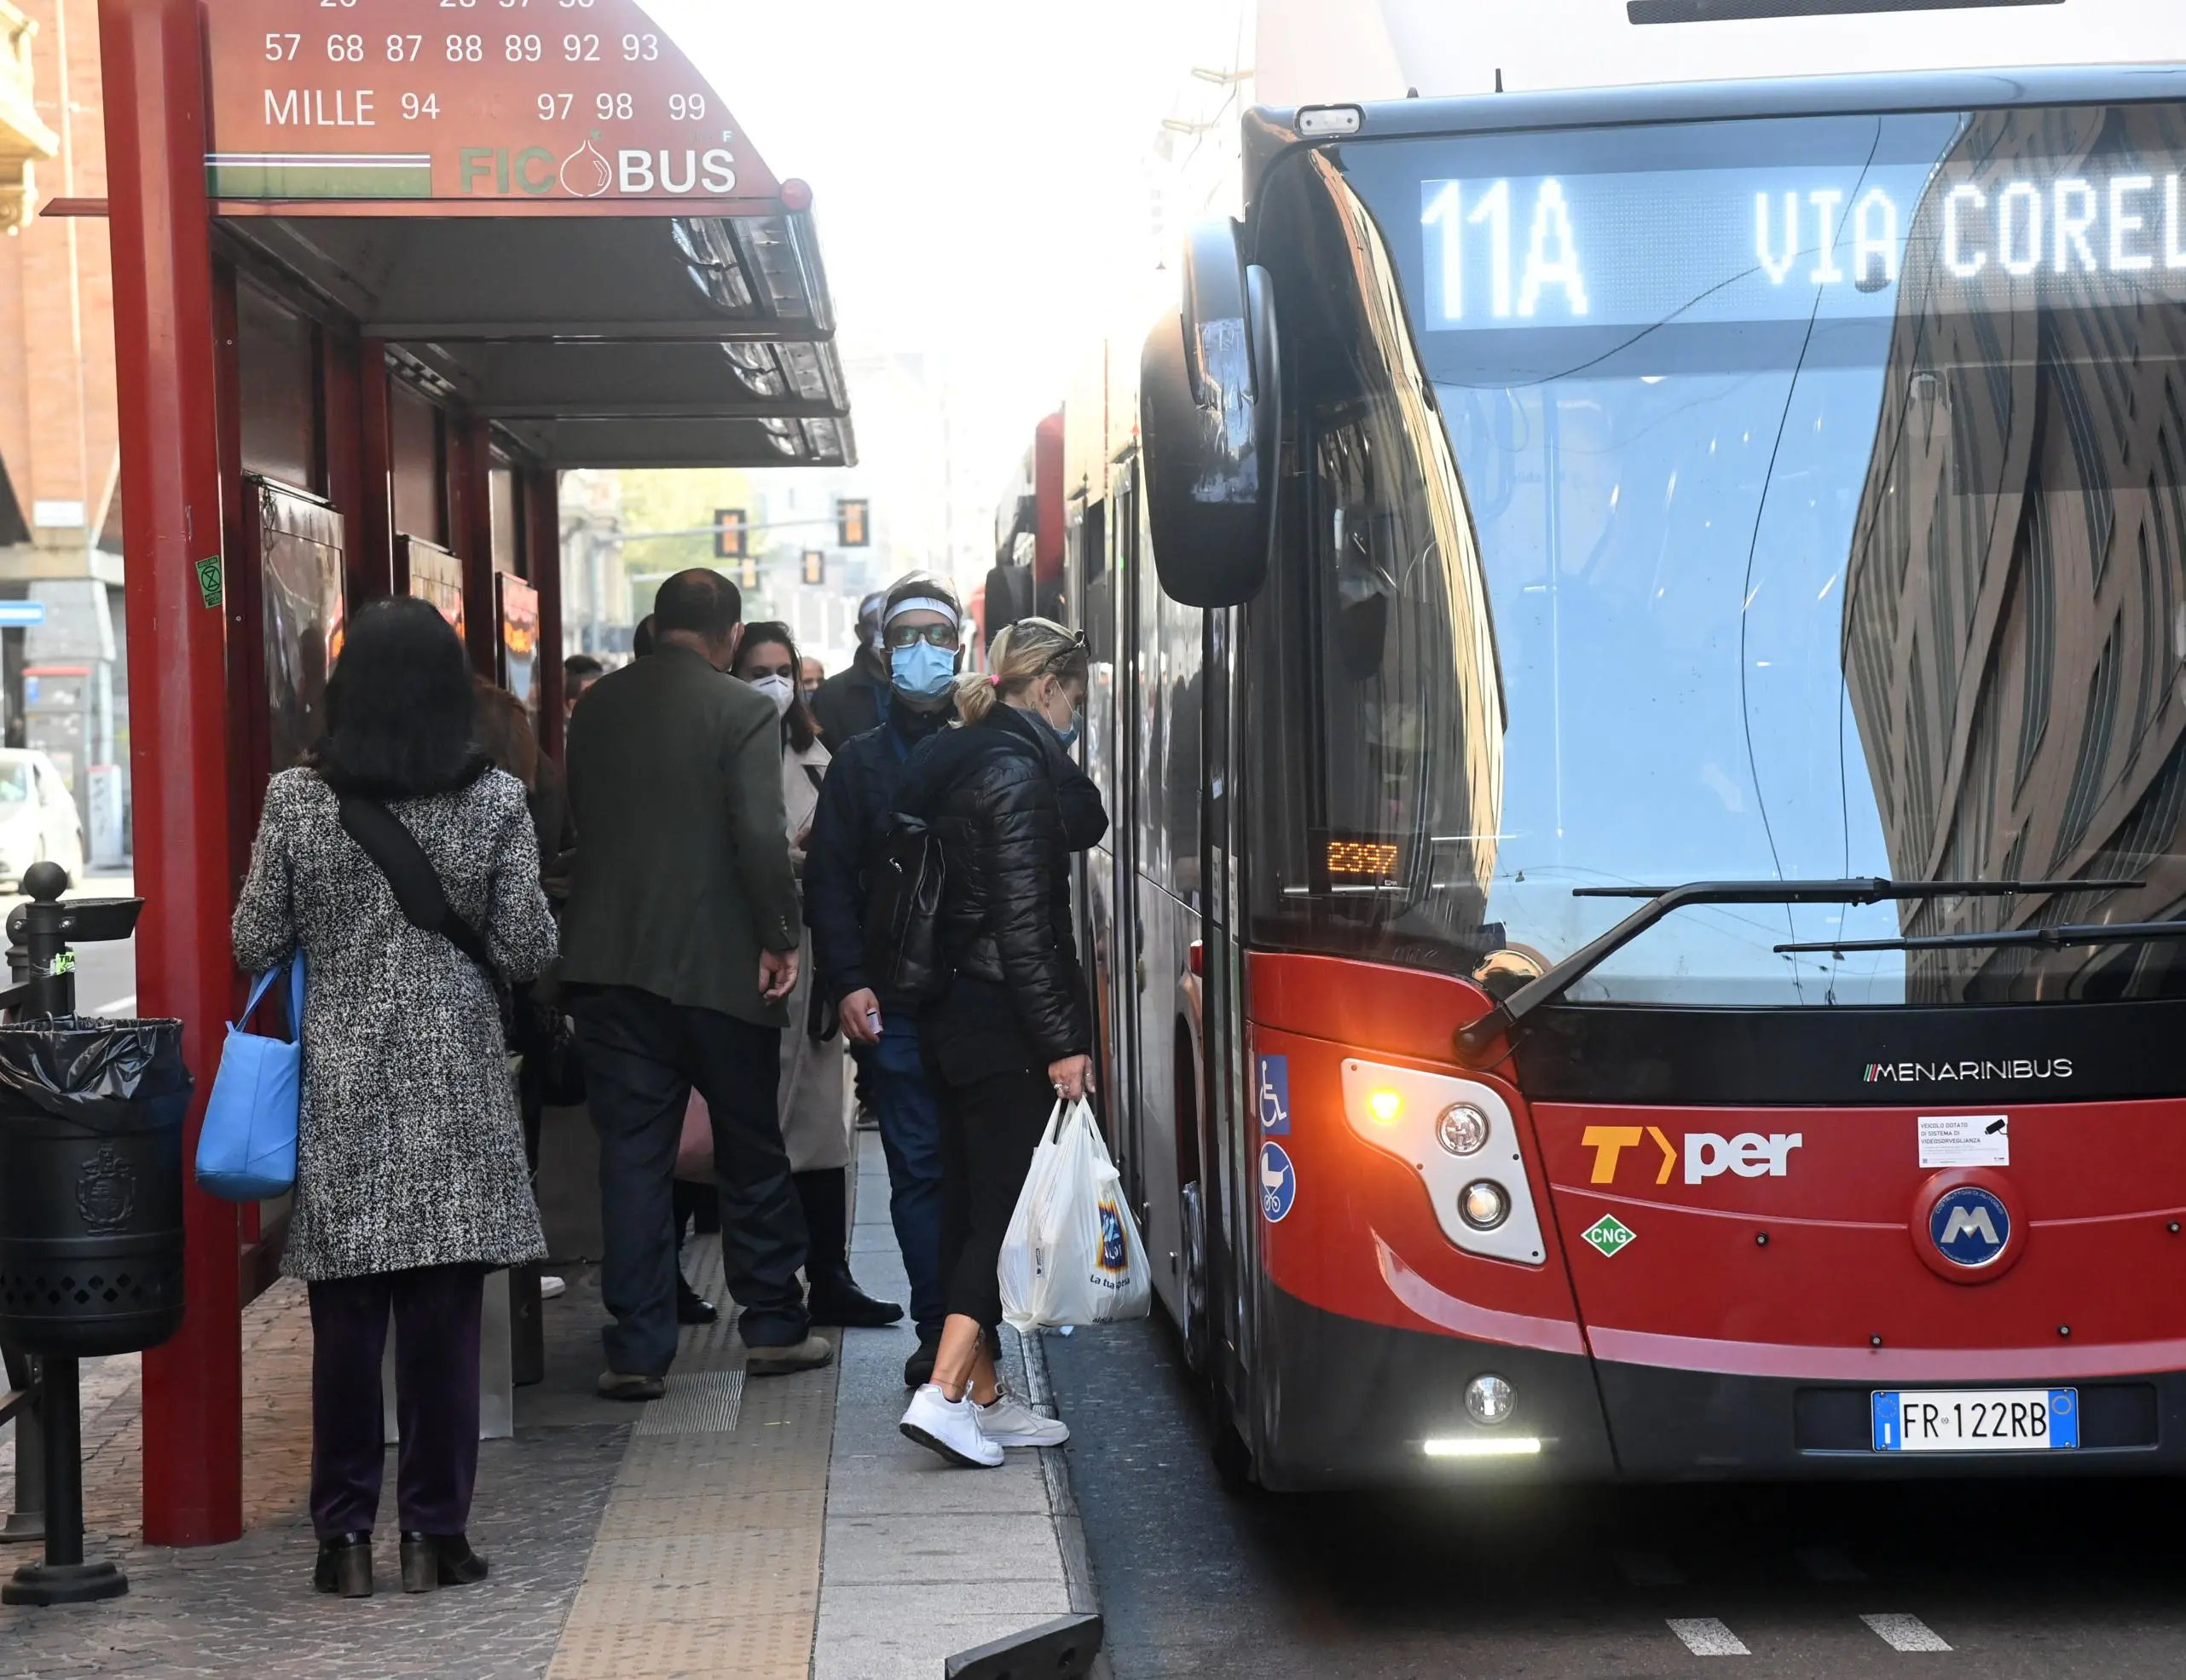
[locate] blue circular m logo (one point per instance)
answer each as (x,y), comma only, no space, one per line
(1969,1227)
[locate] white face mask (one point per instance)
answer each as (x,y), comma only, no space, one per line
(779,690)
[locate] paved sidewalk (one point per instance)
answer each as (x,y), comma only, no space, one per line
(775,1531)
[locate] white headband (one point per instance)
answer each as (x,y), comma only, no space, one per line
(922,604)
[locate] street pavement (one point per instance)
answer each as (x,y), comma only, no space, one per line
(776,1530)
(1997,1579)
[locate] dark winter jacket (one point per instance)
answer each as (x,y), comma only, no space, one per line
(1008,807)
(849,703)
(850,829)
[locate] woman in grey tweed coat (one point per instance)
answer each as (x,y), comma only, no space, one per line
(411,1182)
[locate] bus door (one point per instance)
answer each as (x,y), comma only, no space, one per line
(1218,1229)
(1092,596)
(1168,695)
(1122,953)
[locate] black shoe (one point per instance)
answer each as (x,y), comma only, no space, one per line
(691,1308)
(345,1565)
(918,1368)
(430,1561)
(622,1385)
(839,1300)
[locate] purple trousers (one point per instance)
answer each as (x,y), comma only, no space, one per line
(436,1312)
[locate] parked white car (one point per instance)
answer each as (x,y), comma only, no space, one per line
(38,820)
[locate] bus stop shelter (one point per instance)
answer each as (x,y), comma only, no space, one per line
(381,273)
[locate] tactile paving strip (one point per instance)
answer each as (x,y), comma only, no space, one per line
(706,1404)
(708,1557)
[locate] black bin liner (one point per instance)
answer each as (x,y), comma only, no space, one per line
(91,1185)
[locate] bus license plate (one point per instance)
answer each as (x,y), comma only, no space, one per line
(1976,1420)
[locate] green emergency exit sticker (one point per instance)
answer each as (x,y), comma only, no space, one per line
(1609,1234)
(209,581)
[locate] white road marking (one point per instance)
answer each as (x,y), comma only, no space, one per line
(1705,1637)
(1648,1569)
(1907,1633)
(120,1006)
(1827,1563)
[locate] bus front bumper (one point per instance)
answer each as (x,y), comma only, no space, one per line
(1343,1403)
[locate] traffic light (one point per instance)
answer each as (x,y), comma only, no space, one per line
(748,573)
(815,565)
(852,524)
(732,533)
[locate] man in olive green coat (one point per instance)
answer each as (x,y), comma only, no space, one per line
(678,948)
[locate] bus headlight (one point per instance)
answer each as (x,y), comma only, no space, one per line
(1489,1399)
(1461,1140)
(1462,1129)
(1483,1204)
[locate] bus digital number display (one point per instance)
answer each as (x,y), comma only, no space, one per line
(1743,245)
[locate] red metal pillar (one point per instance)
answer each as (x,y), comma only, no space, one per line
(371,542)
(471,534)
(541,512)
(154,53)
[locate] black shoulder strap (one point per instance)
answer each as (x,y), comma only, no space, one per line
(409,872)
(815,776)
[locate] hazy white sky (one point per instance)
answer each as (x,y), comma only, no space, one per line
(978,173)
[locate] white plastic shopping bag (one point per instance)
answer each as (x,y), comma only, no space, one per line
(1072,1255)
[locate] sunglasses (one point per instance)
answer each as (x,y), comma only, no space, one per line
(910,635)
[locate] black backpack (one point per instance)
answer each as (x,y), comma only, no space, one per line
(903,913)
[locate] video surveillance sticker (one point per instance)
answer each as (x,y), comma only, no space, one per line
(1965,1140)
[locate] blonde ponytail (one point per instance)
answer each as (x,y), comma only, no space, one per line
(975,695)
(1021,653)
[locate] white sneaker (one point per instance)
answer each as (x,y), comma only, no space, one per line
(950,1428)
(1010,1422)
(551,1287)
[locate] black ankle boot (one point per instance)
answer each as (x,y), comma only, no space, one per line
(834,1297)
(691,1306)
(430,1561)
(345,1565)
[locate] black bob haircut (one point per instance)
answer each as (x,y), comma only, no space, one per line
(702,603)
(398,707)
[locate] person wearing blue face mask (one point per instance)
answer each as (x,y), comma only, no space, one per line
(920,626)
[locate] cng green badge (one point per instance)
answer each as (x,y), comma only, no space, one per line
(1609,1234)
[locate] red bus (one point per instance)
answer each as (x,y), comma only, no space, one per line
(1638,643)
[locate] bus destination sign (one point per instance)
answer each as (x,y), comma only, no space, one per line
(492,106)
(1630,249)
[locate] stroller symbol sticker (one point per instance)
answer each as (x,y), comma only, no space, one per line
(1274,1096)
(1278,1183)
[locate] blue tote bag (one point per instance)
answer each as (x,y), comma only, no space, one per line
(246,1152)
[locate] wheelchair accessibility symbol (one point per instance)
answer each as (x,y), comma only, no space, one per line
(1274,1096)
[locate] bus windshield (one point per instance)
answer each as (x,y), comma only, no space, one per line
(1826,478)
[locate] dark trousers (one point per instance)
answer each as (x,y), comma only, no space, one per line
(643,1056)
(990,1127)
(436,1312)
(910,1138)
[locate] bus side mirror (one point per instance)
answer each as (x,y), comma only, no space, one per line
(1209,413)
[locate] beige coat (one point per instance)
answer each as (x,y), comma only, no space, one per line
(815,1124)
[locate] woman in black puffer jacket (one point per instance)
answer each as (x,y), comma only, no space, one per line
(1012,1030)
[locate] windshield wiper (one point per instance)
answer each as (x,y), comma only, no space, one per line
(1474,1042)
(2049,938)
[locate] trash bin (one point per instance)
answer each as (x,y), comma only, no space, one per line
(91,1185)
